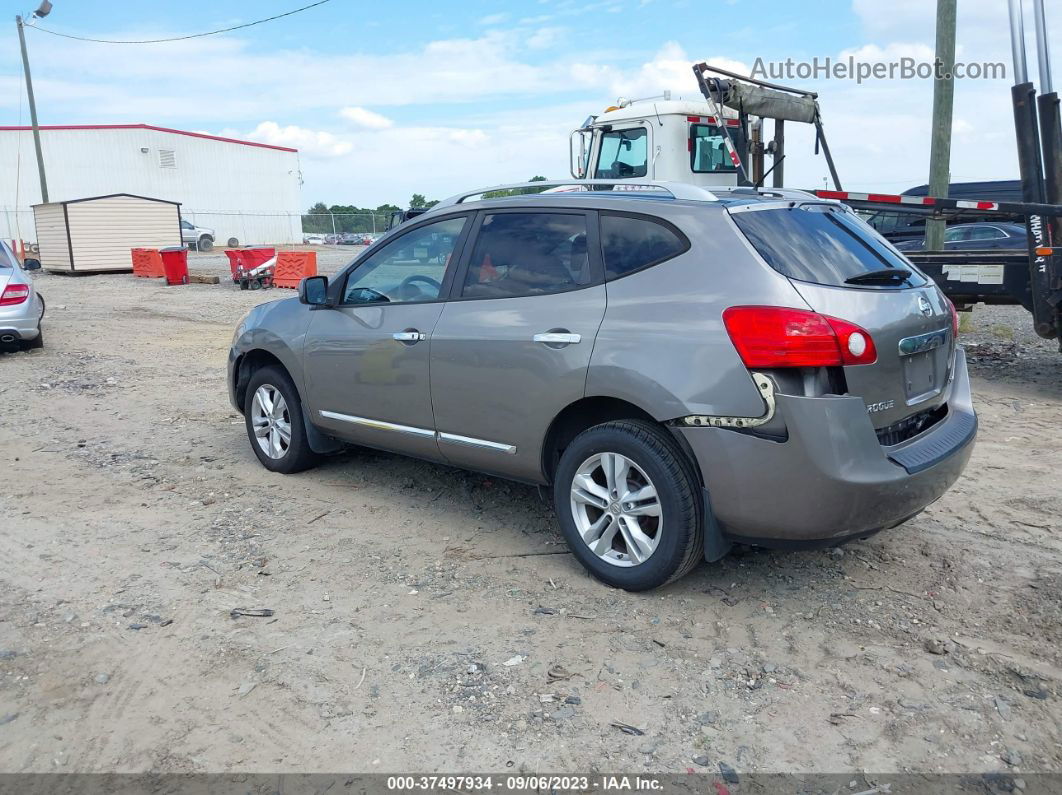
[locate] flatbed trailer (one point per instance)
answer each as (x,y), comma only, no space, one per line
(1031,278)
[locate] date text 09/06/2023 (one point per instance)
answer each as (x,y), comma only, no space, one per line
(523,783)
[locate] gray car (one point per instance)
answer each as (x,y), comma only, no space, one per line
(21,306)
(683,370)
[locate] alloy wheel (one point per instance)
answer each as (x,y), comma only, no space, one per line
(616,509)
(271,422)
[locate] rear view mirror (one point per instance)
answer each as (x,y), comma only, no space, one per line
(31,264)
(313,290)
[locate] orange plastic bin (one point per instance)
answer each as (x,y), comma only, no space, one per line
(175,264)
(147,263)
(294,266)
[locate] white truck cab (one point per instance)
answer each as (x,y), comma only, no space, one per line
(660,139)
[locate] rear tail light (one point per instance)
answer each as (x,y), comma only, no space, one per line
(770,336)
(954,319)
(14,294)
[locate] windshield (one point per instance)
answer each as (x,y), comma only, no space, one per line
(822,244)
(623,153)
(708,150)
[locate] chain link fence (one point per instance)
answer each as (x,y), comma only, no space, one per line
(16,227)
(236,228)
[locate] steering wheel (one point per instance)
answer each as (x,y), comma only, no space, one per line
(409,281)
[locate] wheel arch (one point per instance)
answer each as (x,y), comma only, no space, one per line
(585,413)
(251,362)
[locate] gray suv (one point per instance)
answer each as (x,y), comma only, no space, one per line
(683,369)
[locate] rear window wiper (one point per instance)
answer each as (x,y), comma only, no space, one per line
(883,275)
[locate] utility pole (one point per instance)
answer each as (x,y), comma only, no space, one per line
(32,103)
(943,100)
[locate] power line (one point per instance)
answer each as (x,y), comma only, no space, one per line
(179,38)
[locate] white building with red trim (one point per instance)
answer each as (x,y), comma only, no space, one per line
(244,190)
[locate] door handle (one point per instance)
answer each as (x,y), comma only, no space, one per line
(409,336)
(557,338)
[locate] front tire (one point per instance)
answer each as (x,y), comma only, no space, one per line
(273,417)
(205,243)
(629,506)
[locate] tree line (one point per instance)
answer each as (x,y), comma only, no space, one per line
(340,218)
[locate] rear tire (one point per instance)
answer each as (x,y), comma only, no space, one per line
(272,414)
(658,535)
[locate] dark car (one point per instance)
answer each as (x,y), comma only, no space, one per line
(976,237)
(908,224)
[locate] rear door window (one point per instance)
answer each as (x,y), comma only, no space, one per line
(517,254)
(821,244)
(630,243)
(985,233)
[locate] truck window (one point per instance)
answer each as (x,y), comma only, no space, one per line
(624,153)
(708,150)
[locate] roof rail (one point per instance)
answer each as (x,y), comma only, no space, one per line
(678,190)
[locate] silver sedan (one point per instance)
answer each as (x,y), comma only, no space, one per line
(21,306)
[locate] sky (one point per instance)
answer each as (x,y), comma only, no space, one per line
(387,99)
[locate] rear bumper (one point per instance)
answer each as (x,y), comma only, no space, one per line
(831,480)
(21,321)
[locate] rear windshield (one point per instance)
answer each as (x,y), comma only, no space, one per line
(821,244)
(6,260)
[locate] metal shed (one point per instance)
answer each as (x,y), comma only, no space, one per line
(96,234)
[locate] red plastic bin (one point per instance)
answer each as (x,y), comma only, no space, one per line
(175,264)
(249,258)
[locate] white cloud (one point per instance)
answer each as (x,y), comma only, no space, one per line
(893,51)
(878,130)
(671,69)
(313,143)
(493,19)
(365,119)
(544,38)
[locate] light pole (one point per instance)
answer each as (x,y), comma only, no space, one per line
(41,12)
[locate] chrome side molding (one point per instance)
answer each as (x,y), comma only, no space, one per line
(453,438)
(468,441)
(378,424)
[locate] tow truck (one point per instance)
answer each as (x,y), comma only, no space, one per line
(721,141)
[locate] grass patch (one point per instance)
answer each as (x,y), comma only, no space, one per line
(1002,331)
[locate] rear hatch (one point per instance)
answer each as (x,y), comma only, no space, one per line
(842,268)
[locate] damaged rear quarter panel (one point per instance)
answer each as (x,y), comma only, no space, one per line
(662,344)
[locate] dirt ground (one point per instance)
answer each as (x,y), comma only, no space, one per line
(429,619)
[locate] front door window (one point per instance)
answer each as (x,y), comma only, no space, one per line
(408,269)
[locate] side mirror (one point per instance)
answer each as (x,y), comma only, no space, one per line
(313,291)
(31,264)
